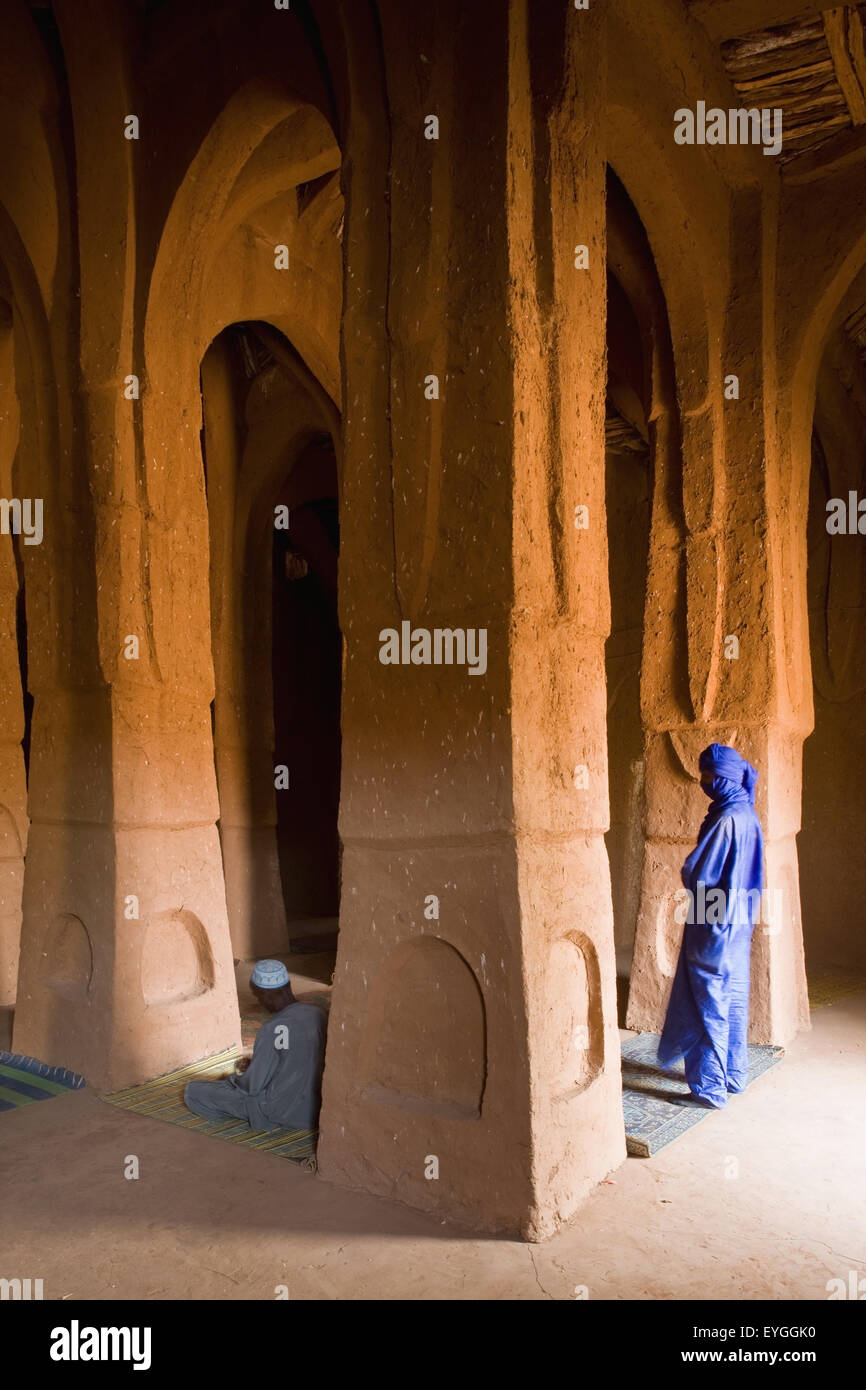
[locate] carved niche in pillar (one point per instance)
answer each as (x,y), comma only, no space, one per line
(69,957)
(574,1019)
(176,959)
(424,1042)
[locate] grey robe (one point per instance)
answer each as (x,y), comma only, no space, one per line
(281,1089)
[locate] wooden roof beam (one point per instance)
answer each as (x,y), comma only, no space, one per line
(828,158)
(730,19)
(845,41)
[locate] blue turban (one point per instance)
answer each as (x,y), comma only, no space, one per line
(723,761)
(269,974)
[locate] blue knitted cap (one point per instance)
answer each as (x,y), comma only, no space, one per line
(269,974)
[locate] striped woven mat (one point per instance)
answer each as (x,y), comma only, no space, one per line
(162,1099)
(657,1105)
(23,1079)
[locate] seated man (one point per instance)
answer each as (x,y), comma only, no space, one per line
(280,1087)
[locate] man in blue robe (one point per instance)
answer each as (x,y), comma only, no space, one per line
(280,1088)
(708,1014)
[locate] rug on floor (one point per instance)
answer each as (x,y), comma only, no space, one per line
(162,1099)
(24,1079)
(657,1105)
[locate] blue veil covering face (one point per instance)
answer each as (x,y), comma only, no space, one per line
(708,1014)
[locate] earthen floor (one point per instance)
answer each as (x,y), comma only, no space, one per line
(209,1220)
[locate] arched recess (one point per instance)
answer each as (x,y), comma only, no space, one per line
(635,320)
(689,236)
(829,287)
(646,652)
(821,427)
(628,493)
(250,258)
(574,1021)
(670,256)
(812,305)
(832,870)
(216,265)
(691,243)
(272,488)
(687,264)
(424,1044)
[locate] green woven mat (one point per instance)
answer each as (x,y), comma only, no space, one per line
(162,1099)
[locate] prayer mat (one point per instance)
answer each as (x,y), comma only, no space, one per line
(826,986)
(657,1105)
(23,1079)
(162,1099)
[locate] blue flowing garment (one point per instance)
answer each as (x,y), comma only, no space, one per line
(708,1014)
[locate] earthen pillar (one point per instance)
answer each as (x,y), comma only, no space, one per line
(13,787)
(473,1060)
(126,965)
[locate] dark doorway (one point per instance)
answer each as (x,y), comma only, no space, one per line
(628,496)
(272,486)
(307,680)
